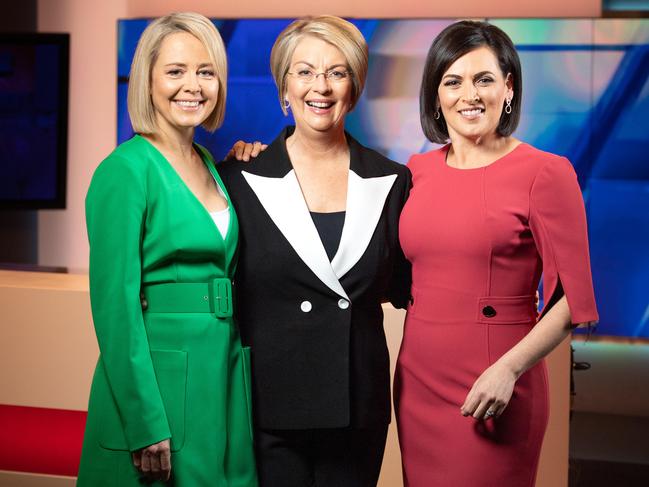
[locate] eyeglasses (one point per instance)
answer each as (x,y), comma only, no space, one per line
(334,75)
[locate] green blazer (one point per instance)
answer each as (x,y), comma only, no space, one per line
(178,375)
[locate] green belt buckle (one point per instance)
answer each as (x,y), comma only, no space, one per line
(221,297)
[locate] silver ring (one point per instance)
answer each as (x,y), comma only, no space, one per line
(489,414)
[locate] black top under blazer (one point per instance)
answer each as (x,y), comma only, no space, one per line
(315,327)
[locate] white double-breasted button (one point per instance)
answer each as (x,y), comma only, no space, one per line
(306,306)
(343,303)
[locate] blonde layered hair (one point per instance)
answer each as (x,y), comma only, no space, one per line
(140,105)
(334,30)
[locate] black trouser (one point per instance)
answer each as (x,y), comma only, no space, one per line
(339,457)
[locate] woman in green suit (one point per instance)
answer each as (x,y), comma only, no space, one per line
(170,399)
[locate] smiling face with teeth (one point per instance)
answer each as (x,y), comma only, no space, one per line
(320,105)
(472,95)
(184,86)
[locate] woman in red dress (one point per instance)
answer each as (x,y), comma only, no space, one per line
(487,215)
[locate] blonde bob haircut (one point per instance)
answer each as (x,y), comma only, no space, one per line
(140,104)
(334,30)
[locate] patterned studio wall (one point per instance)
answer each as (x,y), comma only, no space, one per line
(586,96)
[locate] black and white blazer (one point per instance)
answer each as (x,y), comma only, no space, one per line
(315,327)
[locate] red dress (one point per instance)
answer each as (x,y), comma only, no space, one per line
(478,240)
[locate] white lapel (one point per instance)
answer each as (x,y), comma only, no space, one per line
(283,201)
(365,201)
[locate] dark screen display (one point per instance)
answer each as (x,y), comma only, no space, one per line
(33,120)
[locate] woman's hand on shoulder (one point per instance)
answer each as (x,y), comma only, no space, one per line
(490,393)
(154,461)
(243,151)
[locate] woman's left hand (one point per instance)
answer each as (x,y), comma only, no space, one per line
(243,151)
(491,393)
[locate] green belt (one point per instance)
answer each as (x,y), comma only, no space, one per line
(213,297)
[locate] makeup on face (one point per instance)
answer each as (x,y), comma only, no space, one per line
(184,86)
(321,103)
(472,94)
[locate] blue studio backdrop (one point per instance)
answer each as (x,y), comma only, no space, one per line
(585,96)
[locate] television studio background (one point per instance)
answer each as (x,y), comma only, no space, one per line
(586,93)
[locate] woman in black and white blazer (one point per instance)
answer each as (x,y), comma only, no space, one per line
(319,253)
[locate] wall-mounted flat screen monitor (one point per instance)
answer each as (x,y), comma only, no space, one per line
(585,96)
(33,120)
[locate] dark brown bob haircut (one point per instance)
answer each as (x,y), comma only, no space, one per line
(452,43)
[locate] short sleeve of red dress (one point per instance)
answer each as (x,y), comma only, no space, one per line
(558,224)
